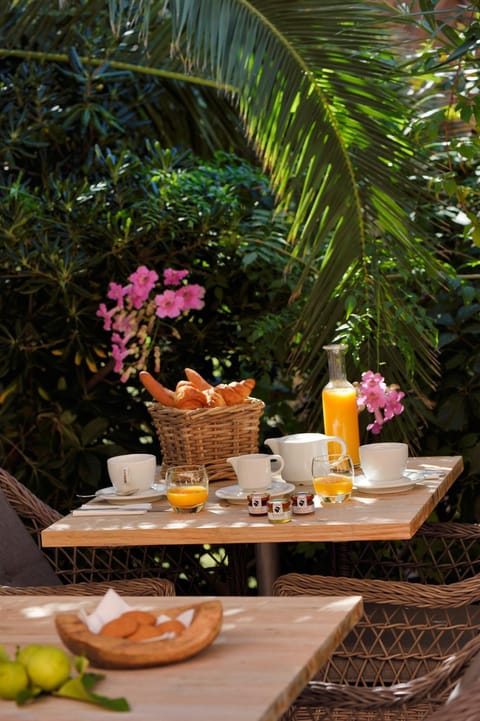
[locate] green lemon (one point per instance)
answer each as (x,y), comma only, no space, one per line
(13,679)
(48,667)
(23,654)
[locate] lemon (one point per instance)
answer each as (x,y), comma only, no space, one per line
(48,667)
(13,679)
(23,653)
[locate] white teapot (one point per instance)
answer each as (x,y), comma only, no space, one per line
(298,451)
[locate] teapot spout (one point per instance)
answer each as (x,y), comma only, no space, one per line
(273,444)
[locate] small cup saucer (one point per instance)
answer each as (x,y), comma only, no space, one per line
(150,494)
(235,494)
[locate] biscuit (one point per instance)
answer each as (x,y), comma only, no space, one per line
(119,628)
(144,632)
(172,626)
(143,618)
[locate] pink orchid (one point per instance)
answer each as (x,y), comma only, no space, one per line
(142,282)
(174,277)
(168,304)
(133,320)
(192,296)
(107,315)
(117,292)
(378,398)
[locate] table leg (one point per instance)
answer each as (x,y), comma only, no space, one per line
(268,566)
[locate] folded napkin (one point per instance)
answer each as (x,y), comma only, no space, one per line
(107,512)
(102,509)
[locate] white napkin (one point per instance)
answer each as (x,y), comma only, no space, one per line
(116,511)
(112,606)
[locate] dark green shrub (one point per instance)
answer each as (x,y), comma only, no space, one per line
(84,200)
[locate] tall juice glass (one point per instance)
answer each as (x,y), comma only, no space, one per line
(339,401)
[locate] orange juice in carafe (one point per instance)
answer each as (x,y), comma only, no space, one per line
(339,401)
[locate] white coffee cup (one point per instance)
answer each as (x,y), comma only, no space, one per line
(132,471)
(254,470)
(383,461)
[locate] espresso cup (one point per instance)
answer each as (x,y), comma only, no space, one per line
(255,470)
(132,472)
(383,461)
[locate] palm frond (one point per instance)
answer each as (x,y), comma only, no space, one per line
(326,111)
(324,107)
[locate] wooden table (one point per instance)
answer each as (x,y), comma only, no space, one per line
(363,518)
(266,652)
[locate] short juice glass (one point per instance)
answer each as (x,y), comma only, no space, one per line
(333,475)
(187,488)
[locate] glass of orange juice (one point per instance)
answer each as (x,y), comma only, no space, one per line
(333,475)
(187,488)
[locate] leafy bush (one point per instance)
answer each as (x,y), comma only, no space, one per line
(77,212)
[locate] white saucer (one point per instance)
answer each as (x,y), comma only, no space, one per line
(150,494)
(363,485)
(235,494)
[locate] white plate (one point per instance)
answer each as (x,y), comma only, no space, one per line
(401,484)
(235,494)
(150,494)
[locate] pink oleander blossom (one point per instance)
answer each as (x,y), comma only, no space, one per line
(168,304)
(139,306)
(142,281)
(174,277)
(192,296)
(378,398)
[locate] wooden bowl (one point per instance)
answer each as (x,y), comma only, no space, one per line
(121,653)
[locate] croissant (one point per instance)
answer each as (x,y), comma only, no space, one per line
(237,391)
(197,380)
(188,397)
(214,398)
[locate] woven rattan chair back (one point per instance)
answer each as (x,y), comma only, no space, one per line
(464,706)
(402,660)
(192,569)
(131,587)
(438,553)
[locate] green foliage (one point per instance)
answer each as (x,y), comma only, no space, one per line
(80,209)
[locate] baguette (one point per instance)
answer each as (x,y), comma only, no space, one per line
(156,390)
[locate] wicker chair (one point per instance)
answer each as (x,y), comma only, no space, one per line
(182,565)
(440,552)
(402,660)
(464,706)
(130,587)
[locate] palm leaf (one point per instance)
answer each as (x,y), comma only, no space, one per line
(326,112)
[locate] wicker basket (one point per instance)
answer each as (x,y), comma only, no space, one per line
(208,435)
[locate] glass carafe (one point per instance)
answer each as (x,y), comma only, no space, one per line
(339,401)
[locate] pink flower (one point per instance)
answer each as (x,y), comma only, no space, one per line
(133,321)
(142,282)
(107,315)
(192,296)
(174,277)
(378,398)
(168,304)
(117,292)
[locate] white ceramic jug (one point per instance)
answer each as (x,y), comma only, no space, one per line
(254,470)
(298,451)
